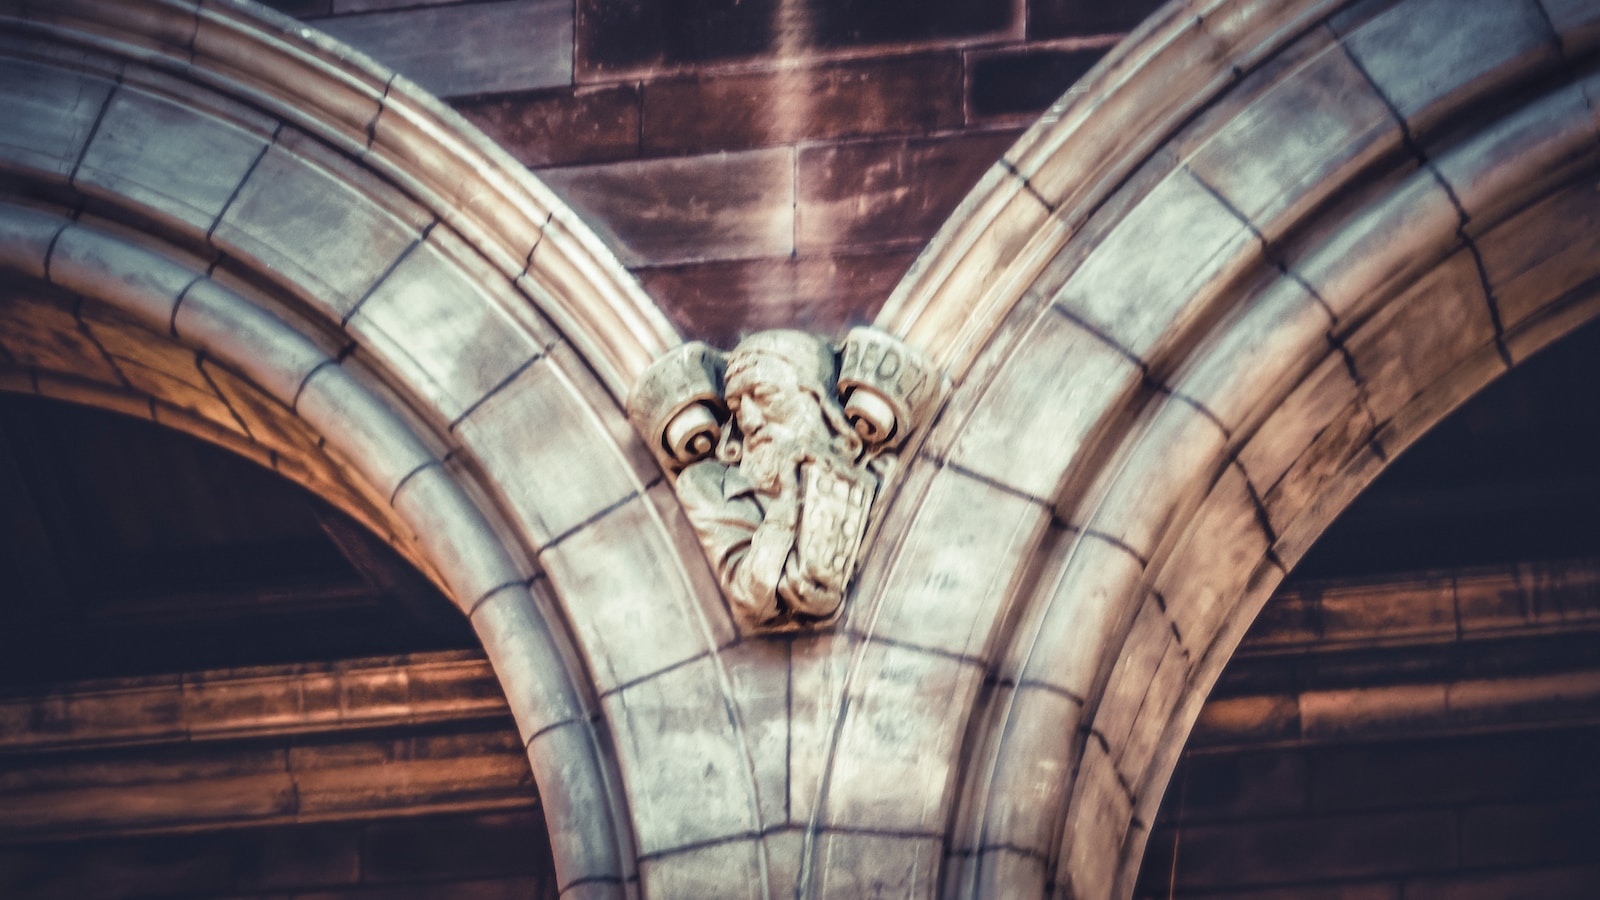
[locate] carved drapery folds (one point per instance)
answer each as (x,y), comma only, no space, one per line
(778,449)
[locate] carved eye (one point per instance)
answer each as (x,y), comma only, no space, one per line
(692,434)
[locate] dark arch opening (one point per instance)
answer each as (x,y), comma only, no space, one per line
(1414,713)
(212,683)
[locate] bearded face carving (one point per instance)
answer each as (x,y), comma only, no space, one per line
(777,450)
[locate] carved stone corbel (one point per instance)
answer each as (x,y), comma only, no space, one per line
(778,449)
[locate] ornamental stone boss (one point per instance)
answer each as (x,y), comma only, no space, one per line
(778,450)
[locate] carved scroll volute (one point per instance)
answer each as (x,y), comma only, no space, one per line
(888,390)
(677,406)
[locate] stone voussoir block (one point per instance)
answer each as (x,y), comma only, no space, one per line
(332,228)
(362,427)
(677,752)
(545,449)
(585,843)
(50,114)
(1150,274)
(631,585)
(903,702)
(1430,58)
(1297,141)
(454,535)
(140,283)
(453,329)
(177,160)
(1065,406)
(955,574)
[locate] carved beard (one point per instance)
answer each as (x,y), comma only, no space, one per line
(764,461)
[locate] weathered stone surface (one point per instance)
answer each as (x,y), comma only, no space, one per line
(1257,355)
(676,756)
(455,330)
(1066,403)
(333,401)
(470,48)
(1314,127)
(1179,450)
(452,534)
(1323,417)
(539,423)
(1068,620)
(1027,791)
(655,212)
(739,110)
(157,152)
(758,673)
(51,114)
(731,869)
(1421,335)
(335,227)
(568,755)
(560,126)
(638,588)
(869,865)
(898,698)
(818,665)
(1426,73)
(1142,279)
(984,533)
(1528,267)
(719,302)
(887,192)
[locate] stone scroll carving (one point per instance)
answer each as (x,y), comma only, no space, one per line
(778,449)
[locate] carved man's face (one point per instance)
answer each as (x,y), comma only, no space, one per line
(778,419)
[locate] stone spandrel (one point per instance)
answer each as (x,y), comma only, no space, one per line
(778,450)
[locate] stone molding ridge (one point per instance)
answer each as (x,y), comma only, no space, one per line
(395,127)
(778,450)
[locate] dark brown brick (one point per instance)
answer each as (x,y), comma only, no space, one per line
(1236,785)
(189,865)
(1462,770)
(304,856)
(562,126)
(1345,847)
(1543,833)
(460,846)
(1022,82)
(719,302)
(687,209)
(616,36)
(1567,883)
(886,193)
(1075,18)
(899,95)
(523,888)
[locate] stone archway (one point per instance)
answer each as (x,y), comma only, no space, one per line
(1185,327)
(1188,327)
(222,221)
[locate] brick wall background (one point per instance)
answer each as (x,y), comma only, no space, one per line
(755,166)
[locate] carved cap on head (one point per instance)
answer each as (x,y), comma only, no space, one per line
(812,358)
